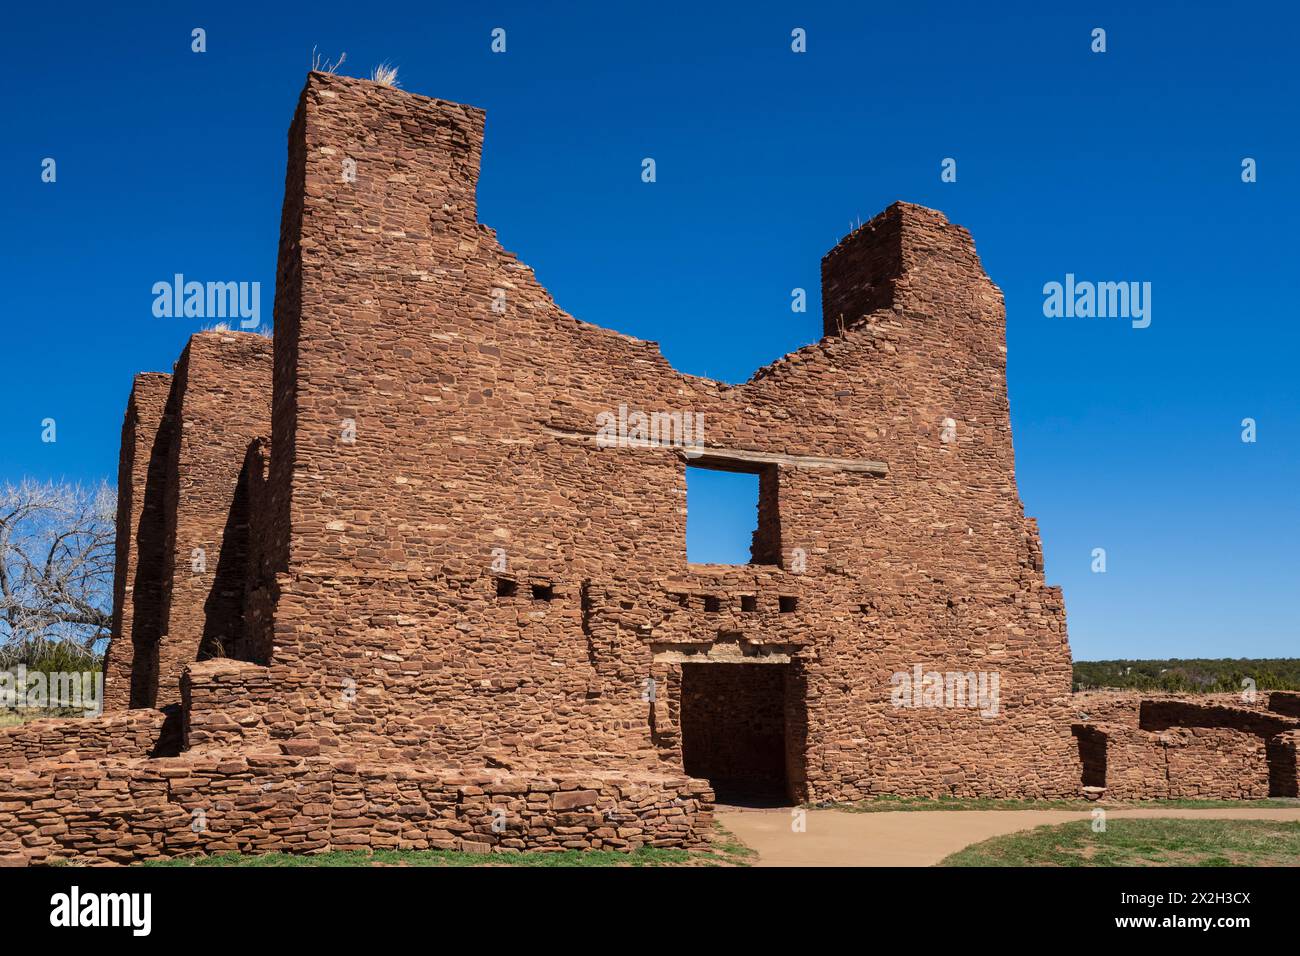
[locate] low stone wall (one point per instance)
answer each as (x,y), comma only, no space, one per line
(1215,763)
(1116,706)
(233,704)
(130,734)
(1283,766)
(1180,749)
(137,810)
(1128,762)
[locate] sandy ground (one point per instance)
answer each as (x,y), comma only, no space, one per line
(913,838)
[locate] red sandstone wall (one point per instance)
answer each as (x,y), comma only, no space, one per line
(1206,762)
(237,705)
(134,734)
(1181,763)
(222,400)
(470,427)
(138,568)
(265,803)
(423,437)
(1166,746)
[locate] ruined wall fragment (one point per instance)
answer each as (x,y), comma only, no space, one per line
(221,395)
(147,433)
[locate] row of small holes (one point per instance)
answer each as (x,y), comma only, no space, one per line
(712,604)
(540,592)
(748,603)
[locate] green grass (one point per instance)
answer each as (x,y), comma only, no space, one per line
(643,857)
(725,851)
(885,803)
(731,849)
(12,718)
(1142,843)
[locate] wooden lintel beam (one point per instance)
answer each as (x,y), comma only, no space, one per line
(713,456)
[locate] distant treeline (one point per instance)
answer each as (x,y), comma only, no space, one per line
(1195,675)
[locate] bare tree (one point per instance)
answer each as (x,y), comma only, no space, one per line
(56,564)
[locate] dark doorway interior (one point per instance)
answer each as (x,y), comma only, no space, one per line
(734,730)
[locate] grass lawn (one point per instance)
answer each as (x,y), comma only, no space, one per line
(726,851)
(1142,843)
(884,803)
(12,718)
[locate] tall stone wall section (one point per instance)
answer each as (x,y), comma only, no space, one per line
(147,431)
(221,391)
(471,399)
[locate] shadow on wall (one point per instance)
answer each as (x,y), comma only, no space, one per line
(1282,781)
(1276,732)
(151,551)
(1092,755)
(171,737)
(1159,715)
(224,631)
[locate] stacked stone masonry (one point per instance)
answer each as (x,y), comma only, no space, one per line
(138,572)
(472,579)
(132,810)
(131,734)
(389,537)
(1165,747)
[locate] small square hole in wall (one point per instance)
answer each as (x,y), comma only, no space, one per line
(507,588)
(788,604)
(543,592)
(749,603)
(712,604)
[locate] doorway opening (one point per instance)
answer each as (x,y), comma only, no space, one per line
(735,720)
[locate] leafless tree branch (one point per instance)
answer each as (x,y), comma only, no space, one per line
(56,563)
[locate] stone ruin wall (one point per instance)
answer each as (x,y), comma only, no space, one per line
(139,733)
(221,391)
(472,432)
(125,787)
(138,566)
(1140,746)
(189,440)
(139,809)
(356,484)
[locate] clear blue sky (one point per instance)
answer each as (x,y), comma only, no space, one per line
(1123,165)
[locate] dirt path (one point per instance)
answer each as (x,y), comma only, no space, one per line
(913,838)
